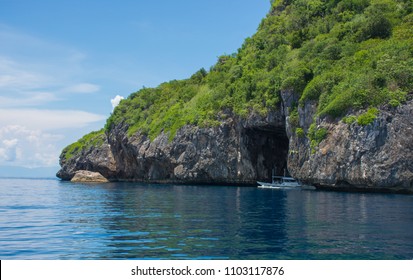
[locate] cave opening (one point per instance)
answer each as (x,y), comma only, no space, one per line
(268,151)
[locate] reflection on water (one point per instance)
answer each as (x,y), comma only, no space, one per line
(325,225)
(160,221)
(48,219)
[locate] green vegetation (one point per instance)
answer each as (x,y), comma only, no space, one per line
(344,55)
(368,117)
(350,119)
(93,139)
(299,132)
(294,118)
(316,135)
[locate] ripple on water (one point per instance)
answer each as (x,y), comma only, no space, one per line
(49,219)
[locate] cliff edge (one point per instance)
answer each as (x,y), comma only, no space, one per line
(373,157)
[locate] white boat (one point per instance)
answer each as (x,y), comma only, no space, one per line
(280,182)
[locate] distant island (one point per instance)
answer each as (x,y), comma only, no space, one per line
(323,89)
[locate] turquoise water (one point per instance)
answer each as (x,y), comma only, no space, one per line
(50,219)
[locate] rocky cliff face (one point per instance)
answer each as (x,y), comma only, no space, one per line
(377,157)
(235,152)
(95,158)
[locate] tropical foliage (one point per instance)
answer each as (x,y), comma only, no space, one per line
(93,139)
(346,55)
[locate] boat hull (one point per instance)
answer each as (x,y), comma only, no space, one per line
(279,185)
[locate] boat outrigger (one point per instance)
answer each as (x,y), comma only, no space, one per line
(280,182)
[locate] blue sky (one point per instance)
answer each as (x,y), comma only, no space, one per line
(61,62)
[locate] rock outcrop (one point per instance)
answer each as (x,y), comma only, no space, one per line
(236,152)
(94,158)
(373,157)
(85,176)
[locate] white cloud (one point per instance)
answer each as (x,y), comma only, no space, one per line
(17,77)
(8,149)
(24,100)
(22,84)
(47,120)
(83,88)
(115,101)
(20,146)
(36,72)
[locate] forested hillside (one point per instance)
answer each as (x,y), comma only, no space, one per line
(345,56)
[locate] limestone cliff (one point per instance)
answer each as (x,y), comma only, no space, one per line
(376,157)
(279,101)
(237,151)
(95,158)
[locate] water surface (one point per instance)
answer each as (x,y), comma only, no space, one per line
(50,219)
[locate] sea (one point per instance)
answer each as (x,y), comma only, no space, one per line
(47,219)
